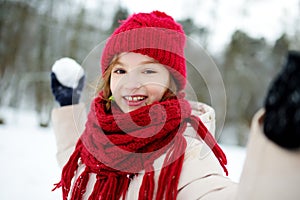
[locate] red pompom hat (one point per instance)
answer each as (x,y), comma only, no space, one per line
(154,34)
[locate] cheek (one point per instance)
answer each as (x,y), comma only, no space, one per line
(113,84)
(156,93)
(158,89)
(161,81)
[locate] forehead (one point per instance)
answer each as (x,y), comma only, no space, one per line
(133,59)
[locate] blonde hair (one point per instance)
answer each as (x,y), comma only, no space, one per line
(104,85)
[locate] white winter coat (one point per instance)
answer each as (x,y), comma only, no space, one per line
(202,176)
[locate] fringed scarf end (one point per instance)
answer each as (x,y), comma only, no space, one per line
(147,187)
(56,186)
(206,136)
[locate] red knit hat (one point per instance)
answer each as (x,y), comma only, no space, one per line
(154,34)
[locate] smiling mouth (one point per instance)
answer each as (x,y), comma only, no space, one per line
(135,98)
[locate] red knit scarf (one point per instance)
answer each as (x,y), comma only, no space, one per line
(116,146)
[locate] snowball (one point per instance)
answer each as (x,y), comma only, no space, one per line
(68,72)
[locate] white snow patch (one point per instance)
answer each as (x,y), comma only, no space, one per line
(28,167)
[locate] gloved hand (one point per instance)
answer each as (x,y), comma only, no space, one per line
(282,105)
(67,81)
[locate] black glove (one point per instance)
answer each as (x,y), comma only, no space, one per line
(282,105)
(66,95)
(63,88)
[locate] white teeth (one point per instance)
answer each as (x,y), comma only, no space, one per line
(136,98)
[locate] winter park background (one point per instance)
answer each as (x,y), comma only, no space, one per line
(247,39)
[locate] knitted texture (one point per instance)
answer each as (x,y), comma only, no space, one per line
(282,105)
(117,146)
(154,34)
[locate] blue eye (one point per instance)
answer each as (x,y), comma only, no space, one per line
(149,71)
(119,71)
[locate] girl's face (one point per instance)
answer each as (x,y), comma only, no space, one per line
(137,80)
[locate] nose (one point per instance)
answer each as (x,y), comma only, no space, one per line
(132,81)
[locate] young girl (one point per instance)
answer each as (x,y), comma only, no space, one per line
(142,139)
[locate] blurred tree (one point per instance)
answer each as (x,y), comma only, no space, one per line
(200,34)
(244,70)
(280,48)
(295,44)
(121,14)
(75,38)
(248,67)
(13,18)
(43,98)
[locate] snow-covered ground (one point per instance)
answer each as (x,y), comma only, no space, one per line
(28,167)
